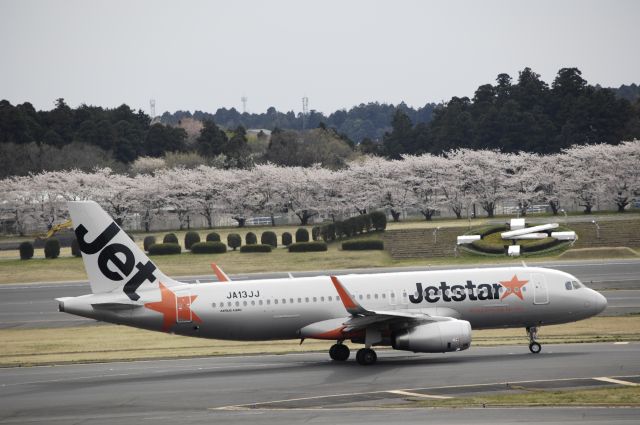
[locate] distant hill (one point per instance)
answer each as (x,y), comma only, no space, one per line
(365,121)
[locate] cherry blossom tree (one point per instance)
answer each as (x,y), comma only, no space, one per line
(583,174)
(523,179)
(486,176)
(456,184)
(622,164)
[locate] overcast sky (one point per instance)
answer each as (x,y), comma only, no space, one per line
(207,54)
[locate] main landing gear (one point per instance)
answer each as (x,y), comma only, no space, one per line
(340,353)
(366,356)
(534,346)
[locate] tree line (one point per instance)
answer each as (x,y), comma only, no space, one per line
(589,176)
(525,115)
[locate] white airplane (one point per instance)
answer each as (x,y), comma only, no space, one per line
(427,312)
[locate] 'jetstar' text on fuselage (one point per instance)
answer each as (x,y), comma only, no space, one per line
(446,293)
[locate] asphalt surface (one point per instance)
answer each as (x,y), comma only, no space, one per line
(243,389)
(33,305)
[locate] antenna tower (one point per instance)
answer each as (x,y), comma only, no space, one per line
(152,108)
(305,112)
(244,104)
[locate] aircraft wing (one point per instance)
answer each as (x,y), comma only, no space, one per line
(361,317)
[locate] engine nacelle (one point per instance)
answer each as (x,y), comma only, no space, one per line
(434,337)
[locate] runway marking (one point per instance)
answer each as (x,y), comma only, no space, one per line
(419,395)
(267,405)
(621,343)
(616,381)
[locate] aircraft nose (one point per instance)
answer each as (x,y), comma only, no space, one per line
(599,302)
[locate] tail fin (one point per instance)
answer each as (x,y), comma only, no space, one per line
(112,260)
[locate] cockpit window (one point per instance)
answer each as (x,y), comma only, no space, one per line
(576,284)
(568,285)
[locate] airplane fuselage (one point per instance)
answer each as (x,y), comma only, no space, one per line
(280,308)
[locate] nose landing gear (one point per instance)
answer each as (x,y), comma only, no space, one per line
(534,346)
(339,352)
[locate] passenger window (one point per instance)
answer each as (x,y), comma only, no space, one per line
(253,302)
(213,305)
(315,299)
(237,303)
(275,301)
(329,298)
(244,303)
(368,296)
(567,285)
(322,299)
(291,300)
(384,295)
(284,301)
(260,302)
(299,300)
(306,299)
(268,302)
(375,296)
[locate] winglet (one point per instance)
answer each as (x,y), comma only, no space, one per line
(350,304)
(222,276)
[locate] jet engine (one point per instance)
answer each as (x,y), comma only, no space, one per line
(434,337)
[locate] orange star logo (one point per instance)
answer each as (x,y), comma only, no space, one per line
(513,286)
(173,308)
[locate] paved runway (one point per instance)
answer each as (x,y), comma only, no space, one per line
(207,389)
(33,305)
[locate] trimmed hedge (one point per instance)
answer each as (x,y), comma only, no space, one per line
(209,247)
(287,239)
(302,235)
(315,233)
(75,248)
(52,248)
(165,249)
(352,226)
(378,220)
(191,238)
(26,250)
(269,238)
(362,245)
(251,238)
(308,247)
(213,237)
(234,240)
(148,241)
(170,238)
(256,248)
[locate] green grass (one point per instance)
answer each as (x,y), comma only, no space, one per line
(115,343)
(530,396)
(69,268)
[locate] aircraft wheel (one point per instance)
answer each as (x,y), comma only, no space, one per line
(535,348)
(366,356)
(339,352)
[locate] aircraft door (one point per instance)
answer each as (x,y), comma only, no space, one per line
(540,291)
(183,307)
